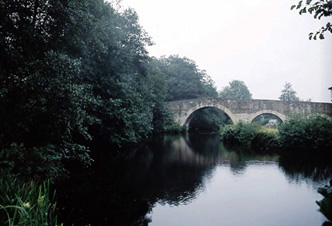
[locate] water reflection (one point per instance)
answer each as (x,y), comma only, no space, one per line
(122,189)
(313,168)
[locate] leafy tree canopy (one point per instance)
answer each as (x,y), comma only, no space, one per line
(319,9)
(236,90)
(74,73)
(184,79)
(288,94)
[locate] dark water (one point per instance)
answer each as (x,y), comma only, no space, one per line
(195,180)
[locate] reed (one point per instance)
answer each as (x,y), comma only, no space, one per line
(26,203)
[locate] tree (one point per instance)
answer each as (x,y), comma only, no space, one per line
(288,94)
(111,47)
(184,79)
(74,73)
(42,104)
(319,9)
(236,90)
(158,91)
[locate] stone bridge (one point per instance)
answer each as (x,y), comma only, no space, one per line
(246,110)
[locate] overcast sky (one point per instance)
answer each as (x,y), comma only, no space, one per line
(260,42)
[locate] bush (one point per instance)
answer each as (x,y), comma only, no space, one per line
(311,132)
(267,139)
(306,132)
(228,134)
(241,133)
(174,128)
(41,163)
(250,135)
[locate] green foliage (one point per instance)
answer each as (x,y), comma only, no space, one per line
(266,139)
(311,132)
(174,128)
(42,104)
(76,73)
(184,79)
(111,46)
(319,9)
(288,94)
(157,91)
(325,205)
(26,203)
(73,73)
(37,163)
(250,136)
(45,111)
(240,133)
(236,90)
(306,132)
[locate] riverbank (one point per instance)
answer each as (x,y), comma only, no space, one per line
(312,132)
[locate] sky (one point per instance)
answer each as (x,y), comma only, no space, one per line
(260,42)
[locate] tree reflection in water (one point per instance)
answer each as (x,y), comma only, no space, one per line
(314,168)
(122,189)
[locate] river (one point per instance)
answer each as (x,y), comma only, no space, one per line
(195,181)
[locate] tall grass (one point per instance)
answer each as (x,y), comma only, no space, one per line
(26,203)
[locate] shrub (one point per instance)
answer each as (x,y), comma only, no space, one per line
(174,128)
(250,135)
(241,133)
(228,134)
(311,132)
(266,139)
(41,163)
(306,132)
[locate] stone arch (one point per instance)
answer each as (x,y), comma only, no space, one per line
(190,112)
(281,116)
(246,110)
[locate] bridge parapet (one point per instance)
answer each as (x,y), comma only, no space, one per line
(246,110)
